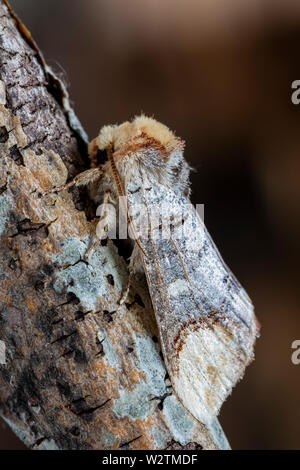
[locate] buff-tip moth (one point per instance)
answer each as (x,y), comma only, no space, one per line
(205,318)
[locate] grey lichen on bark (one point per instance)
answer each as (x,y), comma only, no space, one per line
(78,373)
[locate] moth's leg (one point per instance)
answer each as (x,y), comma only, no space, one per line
(92,248)
(134,266)
(93,149)
(83,179)
(107,217)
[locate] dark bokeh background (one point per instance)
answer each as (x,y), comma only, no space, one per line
(220,74)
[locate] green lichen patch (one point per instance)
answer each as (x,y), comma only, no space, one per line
(151,364)
(4,212)
(73,251)
(218,435)
(134,404)
(111,356)
(87,283)
(160,437)
(107,259)
(108,439)
(137,404)
(181,425)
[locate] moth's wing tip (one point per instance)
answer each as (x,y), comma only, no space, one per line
(207,368)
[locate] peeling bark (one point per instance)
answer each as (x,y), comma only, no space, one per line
(78,373)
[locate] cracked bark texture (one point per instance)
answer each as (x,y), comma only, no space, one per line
(78,374)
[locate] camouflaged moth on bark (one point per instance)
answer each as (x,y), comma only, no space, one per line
(206,320)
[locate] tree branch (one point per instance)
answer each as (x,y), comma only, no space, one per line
(78,374)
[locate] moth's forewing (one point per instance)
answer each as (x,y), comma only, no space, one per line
(206,320)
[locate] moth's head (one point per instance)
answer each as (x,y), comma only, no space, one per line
(142,132)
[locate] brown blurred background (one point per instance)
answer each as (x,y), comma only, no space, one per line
(220,74)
